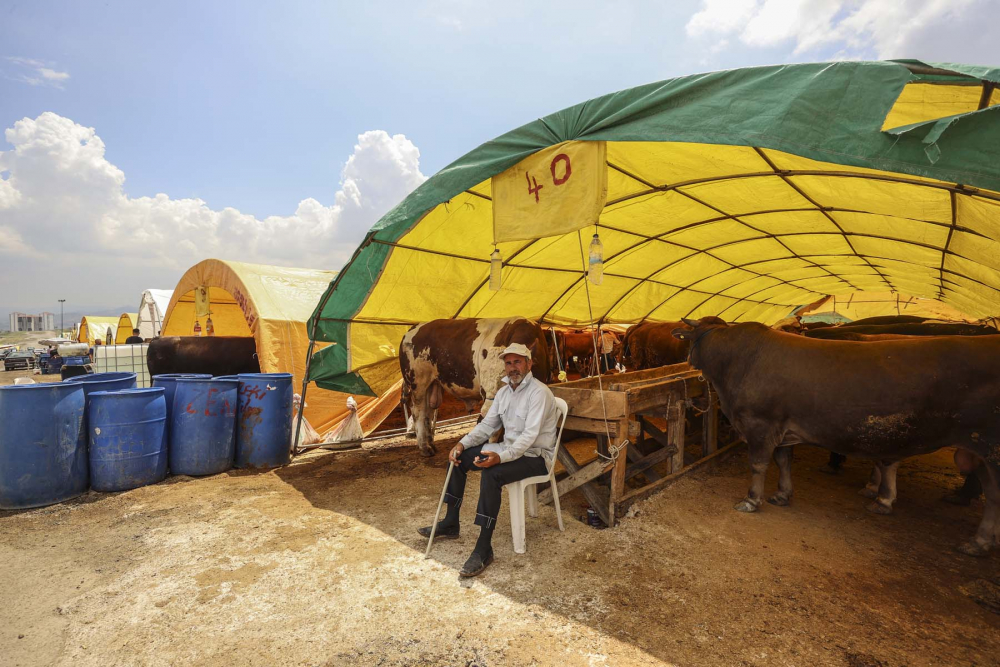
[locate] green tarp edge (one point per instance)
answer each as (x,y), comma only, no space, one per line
(832,112)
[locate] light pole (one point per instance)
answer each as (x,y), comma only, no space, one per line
(62,330)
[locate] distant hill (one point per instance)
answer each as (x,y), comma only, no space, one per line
(69,317)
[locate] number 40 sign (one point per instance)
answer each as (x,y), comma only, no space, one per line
(557,190)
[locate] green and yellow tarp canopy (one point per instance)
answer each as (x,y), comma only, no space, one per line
(741,194)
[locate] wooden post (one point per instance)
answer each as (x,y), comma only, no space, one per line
(618,472)
(675,431)
(602,450)
(710,425)
(635,429)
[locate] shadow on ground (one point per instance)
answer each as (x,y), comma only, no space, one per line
(687,580)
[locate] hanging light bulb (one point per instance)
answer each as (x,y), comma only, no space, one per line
(595,268)
(496,264)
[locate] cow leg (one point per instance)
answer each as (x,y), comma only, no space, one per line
(760,456)
(870,490)
(886,490)
(988,533)
(783,457)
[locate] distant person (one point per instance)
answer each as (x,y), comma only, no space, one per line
(55,361)
(134,339)
(608,341)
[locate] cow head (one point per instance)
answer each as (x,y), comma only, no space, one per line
(699,329)
(422,403)
(421,394)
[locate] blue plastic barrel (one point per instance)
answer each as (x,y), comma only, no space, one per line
(168,382)
(203,425)
(43,444)
(128,438)
(264,420)
(104,382)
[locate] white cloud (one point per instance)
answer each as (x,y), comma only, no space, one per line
(948,30)
(721,16)
(60,196)
(35,72)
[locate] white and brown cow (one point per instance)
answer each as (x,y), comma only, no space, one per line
(461,357)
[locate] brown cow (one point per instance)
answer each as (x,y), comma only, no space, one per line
(884,400)
(218,355)
(651,344)
(579,344)
(461,357)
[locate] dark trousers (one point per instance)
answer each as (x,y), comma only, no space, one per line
(608,362)
(490,484)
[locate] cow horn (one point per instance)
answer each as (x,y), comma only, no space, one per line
(691,323)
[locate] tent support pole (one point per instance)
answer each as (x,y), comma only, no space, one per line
(302,405)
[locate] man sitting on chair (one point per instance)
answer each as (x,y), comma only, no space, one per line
(527,411)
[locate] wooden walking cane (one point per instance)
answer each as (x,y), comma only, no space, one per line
(430,540)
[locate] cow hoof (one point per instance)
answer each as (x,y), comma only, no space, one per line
(745,506)
(878,508)
(973,548)
(868,492)
(428,452)
(780,500)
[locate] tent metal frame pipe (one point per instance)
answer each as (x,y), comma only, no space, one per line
(555,344)
(444,490)
(984,98)
(312,337)
(924,69)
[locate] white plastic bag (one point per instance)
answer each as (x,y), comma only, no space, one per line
(308,435)
(349,431)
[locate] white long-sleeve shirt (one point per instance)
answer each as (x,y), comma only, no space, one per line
(530,420)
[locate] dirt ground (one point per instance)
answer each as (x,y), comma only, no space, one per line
(319,563)
(8,377)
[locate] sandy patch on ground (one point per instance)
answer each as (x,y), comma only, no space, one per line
(319,564)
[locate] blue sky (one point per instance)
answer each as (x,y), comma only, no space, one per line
(238,114)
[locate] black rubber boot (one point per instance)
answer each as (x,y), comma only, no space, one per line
(482,555)
(442,532)
(476,564)
(447,527)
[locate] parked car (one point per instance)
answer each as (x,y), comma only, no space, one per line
(19,361)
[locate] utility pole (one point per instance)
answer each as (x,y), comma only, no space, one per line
(62,329)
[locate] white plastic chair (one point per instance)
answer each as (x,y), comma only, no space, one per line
(516,490)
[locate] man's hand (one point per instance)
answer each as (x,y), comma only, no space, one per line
(492,459)
(455,452)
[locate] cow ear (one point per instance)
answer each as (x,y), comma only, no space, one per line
(434,397)
(691,323)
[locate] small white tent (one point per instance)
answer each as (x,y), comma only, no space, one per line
(151,311)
